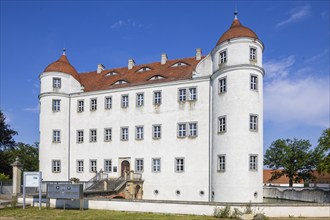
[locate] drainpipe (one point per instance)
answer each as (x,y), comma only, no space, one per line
(210,138)
(69,138)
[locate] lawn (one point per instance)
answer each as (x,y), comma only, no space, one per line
(35,213)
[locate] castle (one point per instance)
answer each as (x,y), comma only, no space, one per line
(192,127)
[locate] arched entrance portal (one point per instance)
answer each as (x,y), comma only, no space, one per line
(124,167)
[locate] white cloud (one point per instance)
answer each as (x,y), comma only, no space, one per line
(296,14)
(299,101)
(278,68)
(127,22)
(33,109)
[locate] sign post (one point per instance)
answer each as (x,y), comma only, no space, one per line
(32,179)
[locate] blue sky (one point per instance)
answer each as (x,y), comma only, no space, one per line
(295,34)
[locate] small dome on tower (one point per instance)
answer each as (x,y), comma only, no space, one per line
(237,30)
(63,65)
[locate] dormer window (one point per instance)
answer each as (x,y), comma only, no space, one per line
(179,64)
(112,73)
(120,82)
(156,77)
(145,68)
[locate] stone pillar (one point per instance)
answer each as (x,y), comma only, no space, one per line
(17,179)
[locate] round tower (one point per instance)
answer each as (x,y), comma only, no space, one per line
(57,82)
(237,116)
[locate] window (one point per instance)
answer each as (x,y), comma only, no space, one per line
(92,135)
(107,134)
(253,165)
(222,85)
(182,130)
(124,134)
(139,133)
(112,73)
(192,94)
(223,57)
(56,83)
(107,166)
(139,165)
(179,64)
(139,99)
(193,129)
(156,131)
(108,103)
(145,68)
(221,163)
(93,104)
(56,136)
(222,124)
(179,165)
(80,136)
(92,166)
(253,53)
(157,97)
(80,106)
(56,166)
(254,82)
(156,77)
(156,165)
(120,82)
(182,95)
(56,105)
(254,122)
(80,166)
(124,101)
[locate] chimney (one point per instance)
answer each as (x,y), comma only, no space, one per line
(198,53)
(100,68)
(131,64)
(163,58)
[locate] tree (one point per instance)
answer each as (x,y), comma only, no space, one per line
(6,134)
(28,156)
(292,158)
(323,148)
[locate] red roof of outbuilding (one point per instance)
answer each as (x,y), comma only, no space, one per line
(63,65)
(237,30)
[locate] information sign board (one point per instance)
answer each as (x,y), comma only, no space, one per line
(65,191)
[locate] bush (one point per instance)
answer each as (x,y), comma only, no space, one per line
(4,177)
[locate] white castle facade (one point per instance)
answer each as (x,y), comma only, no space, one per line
(192,127)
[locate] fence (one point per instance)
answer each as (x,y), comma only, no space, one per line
(6,186)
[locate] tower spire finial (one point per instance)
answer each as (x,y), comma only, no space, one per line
(236,12)
(64,50)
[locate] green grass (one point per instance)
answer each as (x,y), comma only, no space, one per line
(35,213)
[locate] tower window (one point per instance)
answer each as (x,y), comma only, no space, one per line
(56,105)
(56,166)
(222,124)
(253,53)
(223,57)
(221,163)
(254,82)
(57,83)
(223,85)
(56,136)
(253,122)
(253,165)
(193,129)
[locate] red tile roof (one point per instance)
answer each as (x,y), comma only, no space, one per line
(320,178)
(92,81)
(237,30)
(63,65)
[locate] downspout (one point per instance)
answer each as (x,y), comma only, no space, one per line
(69,138)
(210,139)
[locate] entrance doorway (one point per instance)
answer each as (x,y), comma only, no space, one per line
(125,166)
